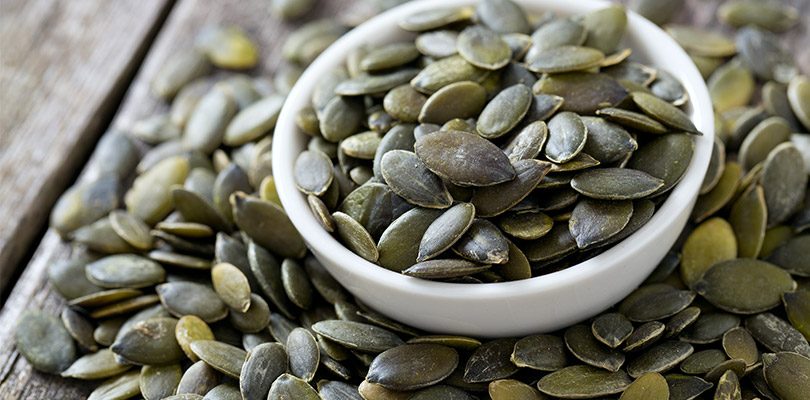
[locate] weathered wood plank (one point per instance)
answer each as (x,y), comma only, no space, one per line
(63,71)
(17,380)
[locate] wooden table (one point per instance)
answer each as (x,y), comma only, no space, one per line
(71,70)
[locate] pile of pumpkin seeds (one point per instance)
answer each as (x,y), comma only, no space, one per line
(477,152)
(185,295)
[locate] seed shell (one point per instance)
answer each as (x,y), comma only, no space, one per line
(584,92)
(483,48)
(745,286)
(595,221)
(490,201)
(567,137)
(463,99)
(412,366)
(504,111)
(583,345)
(357,336)
(777,334)
(659,358)
(583,381)
(709,327)
(150,341)
(491,361)
(615,184)
(220,356)
(412,180)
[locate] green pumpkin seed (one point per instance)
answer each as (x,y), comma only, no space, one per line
(669,88)
(682,320)
(709,327)
(579,162)
(775,17)
(728,387)
(313,172)
(633,120)
(125,270)
(254,319)
(444,268)
(557,243)
(502,16)
(494,200)
(566,59)
(701,362)
(510,389)
(125,306)
(615,184)
(413,366)
(491,361)
(150,199)
(290,387)
(762,139)
(504,111)
(264,363)
(123,386)
(702,42)
(567,134)
(612,329)
(584,92)
(79,328)
(584,346)
(357,335)
(786,374)
(207,123)
(643,336)
(362,145)
(447,71)
(594,221)
(158,382)
(188,329)
(659,358)
(798,94)
(268,275)
(735,366)
(731,86)
(664,112)
(252,215)
(607,142)
(686,387)
(335,390)
(188,298)
(304,354)
(370,84)
(451,155)
(526,143)
(784,179)
(723,192)
(463,99)
(150,341)
(220,356)
(433,19)
(777,334)
(232,286)
(296,284)
(227,47)
(796,306)
(44,342)
(410,178)
(483,48)
(526,226)
(711,242)
(105,332)
(483,243)
(716,166)
(437,44)
(776,102)
(389,56)
(67,277)
(445,230)
(199,378)
(461,343)
(404,103)
(583,381)
(559,32)
(399,244)
(738,344)
(323,282)
(517,265)
(177,71)
(355,236)
(606,28)
(375,206)
(102,298)
(748,217)
(651,385)
(131,229)
(745,286)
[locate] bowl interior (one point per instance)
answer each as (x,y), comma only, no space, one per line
(588,287)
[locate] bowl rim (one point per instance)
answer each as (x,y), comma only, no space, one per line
(322,242)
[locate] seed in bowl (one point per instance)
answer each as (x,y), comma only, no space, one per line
(478,153)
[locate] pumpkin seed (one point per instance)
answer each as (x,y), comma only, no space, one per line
(357,336)
(584,92)
(798,94)
(606,28)
(556,33)
(190,328)
(606,141)
(633,120)
(304,354)
(702,42)
(659,358)
(615,184)
(775,17)
(410,178)
(686,387)
(566,59)
(584,346)
(594,221)
(567,136)
(784,180)
(738,344)
(709,327)
(253,122)
(731,86)
(717,198)
(148,342)
(785,373)
(483,243)
(251,215)
(159,381)
(437,44)
(777,334)
(355,236)
(44,342)
(451,155)
(612,329)
(221,356)
(412,366)
(644,335)
(399,244)
(651,385)
(483,48)
(125,270)
(664,112)
(735,366)
(463,99)
(188,298)
(389,56)
(711,242)
(445,72)
(583,381)
(370,84)
(505,389)
(199,378)
(716,166)
(433,19)
(444,268)
(123,386)
(227,47)
(701,362)
(504,111)
(490,201)
(491,361)
(758,291)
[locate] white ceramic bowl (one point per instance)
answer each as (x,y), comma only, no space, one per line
(534,305)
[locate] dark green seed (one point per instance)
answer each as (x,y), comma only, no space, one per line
(611,329)
(412,366)
(745,286)
(659,358)
(615,184)
(491,361)
(583,381)
(357,336)
(148,342)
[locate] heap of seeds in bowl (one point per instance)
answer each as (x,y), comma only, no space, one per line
(477,152)
(180,297)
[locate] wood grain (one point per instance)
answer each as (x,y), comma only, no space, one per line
(17,379)
(63,71)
